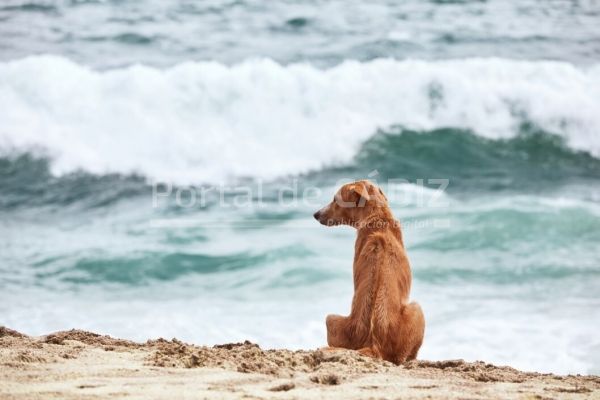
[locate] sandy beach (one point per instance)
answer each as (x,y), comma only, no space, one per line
(83,365)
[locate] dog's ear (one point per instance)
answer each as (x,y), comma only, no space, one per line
(361,189)
(381,193)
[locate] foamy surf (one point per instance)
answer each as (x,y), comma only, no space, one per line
(208,122)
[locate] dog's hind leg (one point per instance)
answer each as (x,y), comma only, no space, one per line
(413,330)
(338,332)
(346,332)
(401,341)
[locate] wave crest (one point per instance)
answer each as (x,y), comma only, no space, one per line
(204,121)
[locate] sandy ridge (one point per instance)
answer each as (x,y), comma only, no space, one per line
(82,365)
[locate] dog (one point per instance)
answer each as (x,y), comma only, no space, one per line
(382,323)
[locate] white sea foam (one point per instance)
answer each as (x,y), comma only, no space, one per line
(205,121)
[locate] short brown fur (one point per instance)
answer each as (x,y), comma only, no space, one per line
(382,323)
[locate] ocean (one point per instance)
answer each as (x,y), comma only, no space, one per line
(160,163)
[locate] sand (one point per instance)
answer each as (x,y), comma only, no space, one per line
(83,365)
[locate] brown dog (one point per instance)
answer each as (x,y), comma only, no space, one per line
(382,323)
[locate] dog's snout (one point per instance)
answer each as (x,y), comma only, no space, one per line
(317,215)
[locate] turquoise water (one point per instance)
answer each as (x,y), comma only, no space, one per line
(109,109)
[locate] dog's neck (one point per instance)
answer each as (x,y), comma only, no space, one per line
(380,218)
(376,223)
(380,221)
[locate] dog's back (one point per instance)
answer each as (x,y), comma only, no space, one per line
(396,327)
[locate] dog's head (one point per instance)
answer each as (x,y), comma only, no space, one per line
(351,204)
